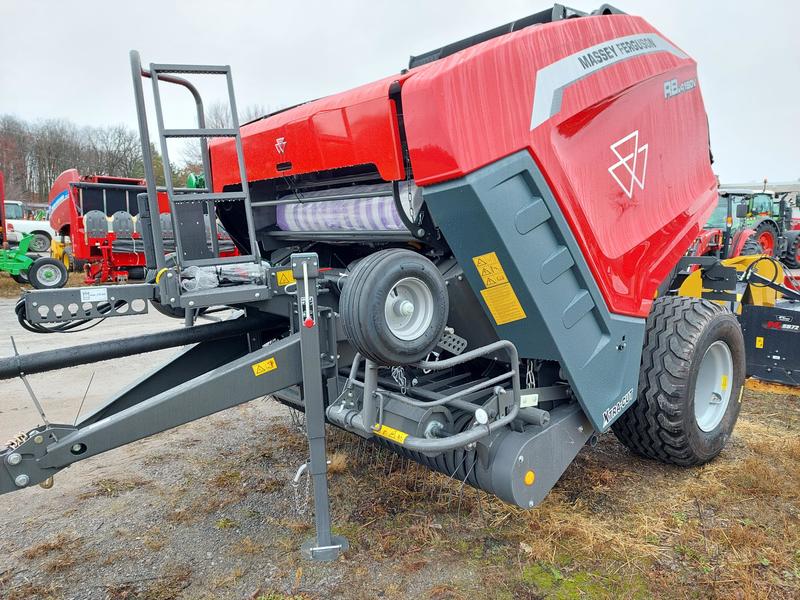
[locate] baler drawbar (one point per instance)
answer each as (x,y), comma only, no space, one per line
(457,265)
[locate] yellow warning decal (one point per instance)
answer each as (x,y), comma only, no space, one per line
(759,341)
(503,303)
(490,269)
(285,277)
(392,434)
(265,366)
(724,383)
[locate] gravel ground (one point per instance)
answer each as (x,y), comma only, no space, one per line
(207,511)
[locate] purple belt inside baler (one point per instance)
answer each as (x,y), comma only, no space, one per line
(358,214)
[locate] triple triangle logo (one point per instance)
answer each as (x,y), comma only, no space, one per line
(631,166)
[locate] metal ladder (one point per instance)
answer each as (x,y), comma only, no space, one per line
(189,209)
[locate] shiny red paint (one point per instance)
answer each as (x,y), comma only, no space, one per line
(739,239)
(472,108)
(355,128)
(707,242)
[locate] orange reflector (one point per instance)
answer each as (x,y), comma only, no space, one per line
(729,221)
(530,477)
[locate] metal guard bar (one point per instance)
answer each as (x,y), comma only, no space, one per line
(458,440)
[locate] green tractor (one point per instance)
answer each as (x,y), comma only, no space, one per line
(41,272)
(747,222)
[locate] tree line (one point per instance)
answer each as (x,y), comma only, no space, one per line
(33,154)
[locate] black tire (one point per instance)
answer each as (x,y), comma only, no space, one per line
(21,277)
(792,256)
(751,247)
(47,273)
(363,304)
(68,259)
(662,424)
(767,228)
(40,242)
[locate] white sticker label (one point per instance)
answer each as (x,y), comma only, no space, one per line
(528,400)
(94,295)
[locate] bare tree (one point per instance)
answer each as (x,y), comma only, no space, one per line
(32,155)
(218,116)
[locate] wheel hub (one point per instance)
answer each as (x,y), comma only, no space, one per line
(714,386)
(409,308)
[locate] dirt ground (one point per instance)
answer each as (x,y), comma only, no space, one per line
(208,511)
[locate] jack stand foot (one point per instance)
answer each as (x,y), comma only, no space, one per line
(311,551)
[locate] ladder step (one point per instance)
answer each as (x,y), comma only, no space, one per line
(200,133)
(209,197)
(199,69)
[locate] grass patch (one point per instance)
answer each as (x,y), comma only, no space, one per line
(111,488)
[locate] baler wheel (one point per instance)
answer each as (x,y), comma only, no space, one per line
(690,383)
(394,307)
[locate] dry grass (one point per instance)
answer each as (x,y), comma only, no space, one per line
(615,525)
(112,487)
(60,543)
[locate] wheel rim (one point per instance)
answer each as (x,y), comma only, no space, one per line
(409,308)
(39,244)
(767,242)
(48,275)
(712,391)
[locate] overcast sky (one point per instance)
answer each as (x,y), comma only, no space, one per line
(62,58)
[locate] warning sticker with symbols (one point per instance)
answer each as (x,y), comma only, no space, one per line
(490,269)
(284,277)
(503,303)
(392,434)
(759,341)
(265,366)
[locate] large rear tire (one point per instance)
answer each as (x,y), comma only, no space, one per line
(767,234)
(690,383)
(751,247)
(792,257)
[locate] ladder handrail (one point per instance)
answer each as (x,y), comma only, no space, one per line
(154,74)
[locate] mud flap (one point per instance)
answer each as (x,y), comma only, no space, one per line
(526,268)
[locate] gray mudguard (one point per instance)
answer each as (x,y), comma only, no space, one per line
(525,266)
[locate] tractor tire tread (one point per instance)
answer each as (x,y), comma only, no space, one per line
(653,427)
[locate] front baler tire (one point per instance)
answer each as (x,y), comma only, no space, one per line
(662,423)
(367,296)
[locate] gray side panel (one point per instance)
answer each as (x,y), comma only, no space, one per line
(508,209)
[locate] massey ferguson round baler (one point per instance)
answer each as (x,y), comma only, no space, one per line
(458,262)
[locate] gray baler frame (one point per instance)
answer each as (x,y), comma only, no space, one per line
(234,362)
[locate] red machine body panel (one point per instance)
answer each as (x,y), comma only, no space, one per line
(609,109)
(356,128)
(66,218)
